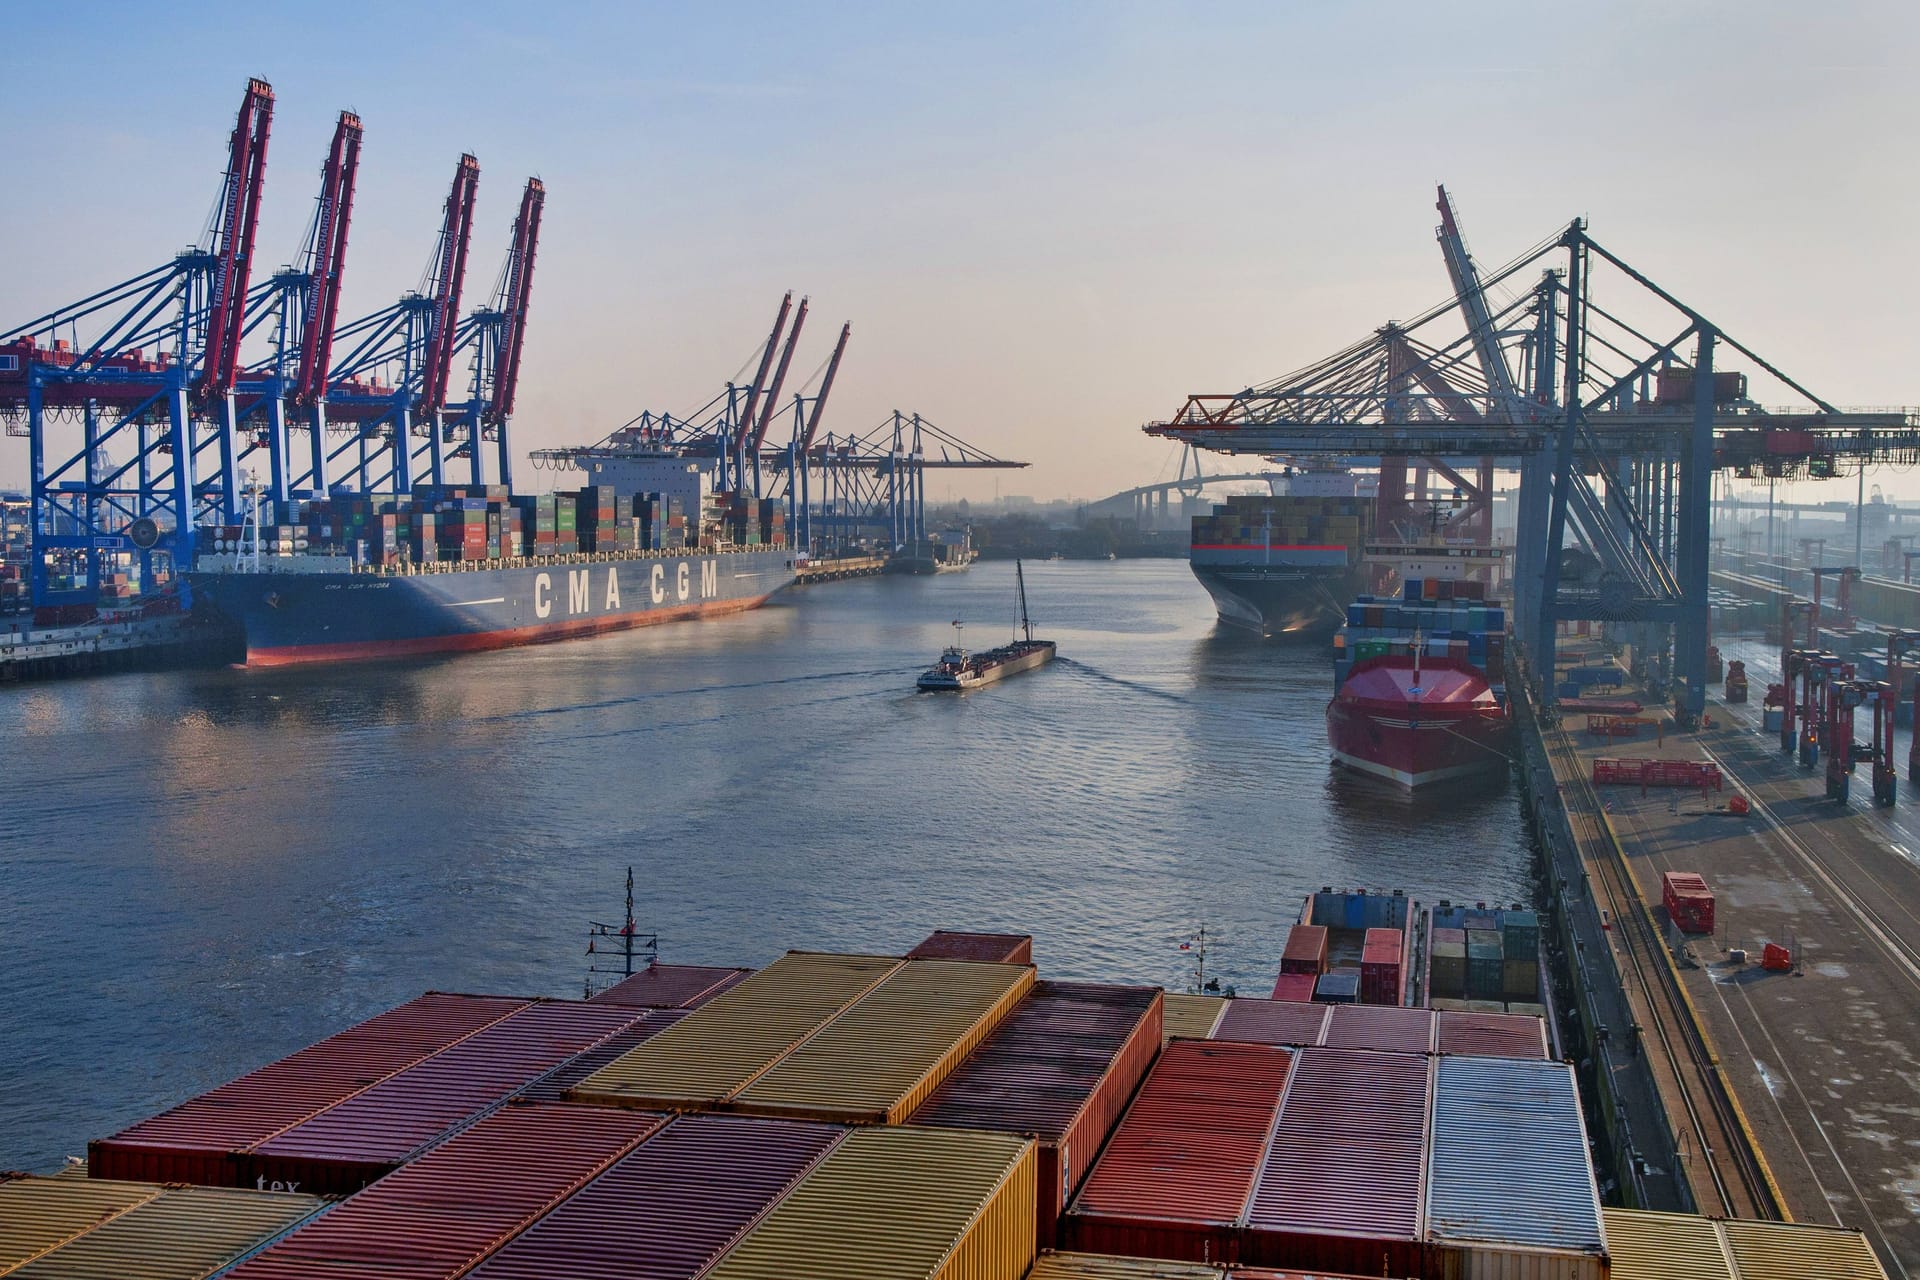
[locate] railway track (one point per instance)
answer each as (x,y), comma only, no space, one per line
(1739,1180)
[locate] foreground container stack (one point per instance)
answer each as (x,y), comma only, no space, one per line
(670,1208)
(376,1131)
(204,1140)
(86,1229)
(1679,1246)
(1060,1068)
(728,1043)
(1341,1185)
(672,986)
(878,1060)
(1510,1183)
(916,1204)
(1176,1176)
(993,948)
(1190,1017)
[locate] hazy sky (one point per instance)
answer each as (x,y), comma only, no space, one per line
(1047,222)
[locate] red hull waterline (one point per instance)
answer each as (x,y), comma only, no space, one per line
(1447,726)
(475,641)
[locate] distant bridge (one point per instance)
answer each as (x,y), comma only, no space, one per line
(1152,503)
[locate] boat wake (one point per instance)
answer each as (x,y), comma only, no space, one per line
(1135,686)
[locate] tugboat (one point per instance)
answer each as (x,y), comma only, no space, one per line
(958,670)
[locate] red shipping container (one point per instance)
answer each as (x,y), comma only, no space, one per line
(1381,967)
(195,1142)
(1294,986)
(553,1086)
(993,948)
(1288,1022)
(460,1203)
(372,1133)
(671,1207)
(1396,1030)
(671,986)
(1205,1111)
(1060,1069)
(1689,902)
(1342,1182)
(1490,1035)
(1306,950)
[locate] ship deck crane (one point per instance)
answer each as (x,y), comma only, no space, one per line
(129,453)
(392,384)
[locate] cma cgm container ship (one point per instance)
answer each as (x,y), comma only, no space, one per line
(383,578)
(1285,565)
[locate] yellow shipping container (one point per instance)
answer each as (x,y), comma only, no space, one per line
(901,1204)
(1797,1251)
(1191,1017)
(727,1043)
(1680,1246)
(38,1214)
(1101,1266)
(161,1233)
(1665,1246)
(881,1058)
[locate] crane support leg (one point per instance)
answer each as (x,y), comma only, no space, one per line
(1696,513)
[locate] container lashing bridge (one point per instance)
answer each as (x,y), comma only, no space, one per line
(143,416)
(1615,430)
(839,488)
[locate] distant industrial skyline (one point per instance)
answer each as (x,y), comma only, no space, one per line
(1047,224)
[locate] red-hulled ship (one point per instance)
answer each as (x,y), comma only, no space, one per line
(1418,720)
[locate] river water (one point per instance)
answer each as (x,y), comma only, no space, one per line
(203,871)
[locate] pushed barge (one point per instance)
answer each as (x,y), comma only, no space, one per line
(959,670)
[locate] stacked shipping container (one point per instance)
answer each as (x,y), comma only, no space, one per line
(995,948)
(1176,1176)
(730,1041)
(81,1229)
(671,986)
(197,1141)
(900,1204)
(1679,1246)
(1342,1181)
(1509,1183)
(458,1204)
(1060,1068)
(377,1130)
(878,1060)
(671,1207)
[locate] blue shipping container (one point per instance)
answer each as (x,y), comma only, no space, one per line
(1510,1163)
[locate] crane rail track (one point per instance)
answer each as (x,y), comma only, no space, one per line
(1738,1173)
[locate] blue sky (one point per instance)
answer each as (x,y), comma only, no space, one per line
(1047,222)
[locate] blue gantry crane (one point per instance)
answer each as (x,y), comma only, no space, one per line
(127,396)
(840,489)
(1615,430)
(391,386)
(296,310)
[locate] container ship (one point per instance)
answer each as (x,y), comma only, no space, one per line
(477,568)
(1285,565)
(1420,694)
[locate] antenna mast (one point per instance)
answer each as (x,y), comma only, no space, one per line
(631,943)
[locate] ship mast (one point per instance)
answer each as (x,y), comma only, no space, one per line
(1026,623)
(631,943)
